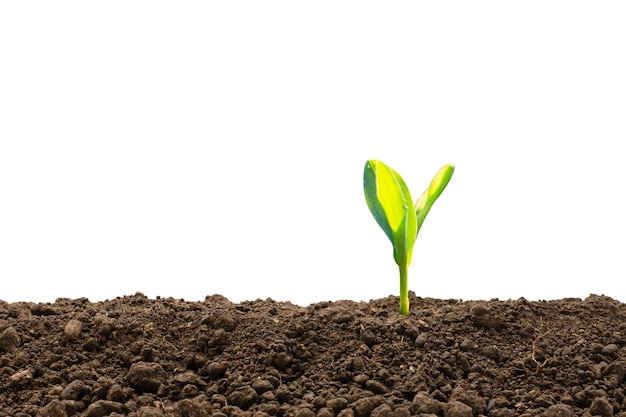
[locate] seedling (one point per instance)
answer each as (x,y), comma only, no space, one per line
(390,202)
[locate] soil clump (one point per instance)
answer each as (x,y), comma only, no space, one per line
(141,357)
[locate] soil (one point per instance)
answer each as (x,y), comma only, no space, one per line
(134,356)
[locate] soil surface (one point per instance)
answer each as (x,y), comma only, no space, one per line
(134,356)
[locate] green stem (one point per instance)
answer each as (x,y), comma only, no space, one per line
(404,290)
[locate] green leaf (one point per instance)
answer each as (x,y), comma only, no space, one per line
(432,193)
(390,202)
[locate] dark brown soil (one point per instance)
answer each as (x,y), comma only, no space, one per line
(135,356)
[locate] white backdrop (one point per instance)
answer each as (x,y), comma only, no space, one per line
(185,149)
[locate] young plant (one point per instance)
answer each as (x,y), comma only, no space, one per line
(390,202)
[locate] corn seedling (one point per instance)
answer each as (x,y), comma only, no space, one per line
(390,202)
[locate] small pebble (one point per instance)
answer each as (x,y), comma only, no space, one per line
(73,328)
(610,349)
(9,339)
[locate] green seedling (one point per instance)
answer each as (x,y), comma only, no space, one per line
(390,202)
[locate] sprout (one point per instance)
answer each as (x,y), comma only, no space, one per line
(390,202)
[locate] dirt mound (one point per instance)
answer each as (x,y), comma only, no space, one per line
(134,356)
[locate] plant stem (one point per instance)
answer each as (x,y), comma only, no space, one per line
(404,290)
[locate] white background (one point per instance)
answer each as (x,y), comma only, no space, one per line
(191,148)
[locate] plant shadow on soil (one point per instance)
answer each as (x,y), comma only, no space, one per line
(134,356)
